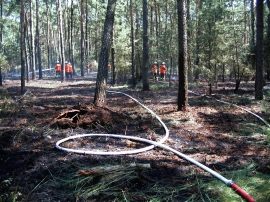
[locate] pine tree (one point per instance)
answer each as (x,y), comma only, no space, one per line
(145,46)
(259,51)
(183,66)
(101,83)
(23,54)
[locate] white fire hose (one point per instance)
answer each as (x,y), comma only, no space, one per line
(153,144)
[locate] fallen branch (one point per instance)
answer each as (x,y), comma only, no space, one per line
(102,170)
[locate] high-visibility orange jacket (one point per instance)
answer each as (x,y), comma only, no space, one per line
(67,68)
(163,69)
(58,67)
(154,69)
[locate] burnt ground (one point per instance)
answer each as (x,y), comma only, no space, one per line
(220,136)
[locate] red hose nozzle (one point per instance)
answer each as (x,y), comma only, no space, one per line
(242,193)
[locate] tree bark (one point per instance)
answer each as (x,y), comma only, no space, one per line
(259,52)
(48,35)
(1,41)
(86,35)
(132,44)
(96,33)
(38,41)
(82,38)
(199,7)
(137,56)
(267,48)
(23,54)
(145,46)
(71,49)
(183,65)
(114,69)
(252,37)
(62,51)
(26,43)
(33,58)
(101,83)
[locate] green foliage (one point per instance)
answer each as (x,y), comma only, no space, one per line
(268,135)
(215,35)
(4,63)
(12,195)
(194,85)
(158,85)
(256,184)
(219,39)
(3,93)
(7,106)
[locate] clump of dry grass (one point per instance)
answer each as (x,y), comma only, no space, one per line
(7,105)
(127,182)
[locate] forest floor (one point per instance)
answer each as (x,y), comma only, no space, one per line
(225,138)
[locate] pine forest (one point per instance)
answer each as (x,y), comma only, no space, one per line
(134,100)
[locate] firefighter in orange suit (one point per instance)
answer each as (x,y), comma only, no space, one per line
(58,68)
(70,70)
(90,67)
(163,69)
(155,70)
(67,70)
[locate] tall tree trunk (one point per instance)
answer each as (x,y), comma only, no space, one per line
(166,18)
(96,33)
(137,35)
(157,30)
(114,69)
(145,46)
(238,72)
(23,54)
(1,78)
(259,51)
(151,19)
(183,65)
(33,57)
(1,40)
(38,41)
(245,25)
(267,48)
(82,38)
(62,50)
(189,38)
(71,49)
(223,72)
(252,37)
(170,78)
(26,43)
(132,44)
(101,83)
(48,35)
(199,6)
(29,60)
(68,39)
(86,35)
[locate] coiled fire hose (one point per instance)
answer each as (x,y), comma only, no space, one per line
(153,144)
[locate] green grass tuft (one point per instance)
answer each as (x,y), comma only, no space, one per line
(256,184)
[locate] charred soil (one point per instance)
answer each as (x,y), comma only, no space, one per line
(220,136)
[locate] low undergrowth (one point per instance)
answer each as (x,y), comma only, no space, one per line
(228,140)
